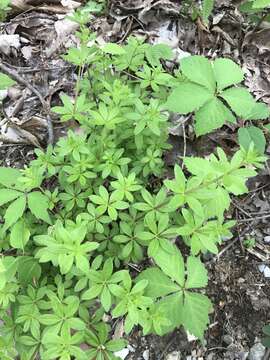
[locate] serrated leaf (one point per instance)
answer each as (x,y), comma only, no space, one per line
(227,73)
(217,204)
(172,264)
(9,176)
(113,49)
(197,165)
(211,116)
(198,69)
(196,273)
(252,134)
(19,235)
(187,97)
(156,52)
(5,81)
(172,307)
(15,211)
(259,111)
(38,205)
(240,100)
(158,283)
(7,195)
(195,313)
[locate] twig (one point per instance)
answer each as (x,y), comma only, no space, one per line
(15,76)
(267,216)
(240,209)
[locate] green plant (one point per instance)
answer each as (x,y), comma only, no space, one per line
(249,242)
(5,81)
(207,8)
(4,8)
(202,11)
(254,6)
(74,220)
(209,90)
(266,339)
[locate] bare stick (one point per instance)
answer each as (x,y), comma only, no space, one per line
(15,76)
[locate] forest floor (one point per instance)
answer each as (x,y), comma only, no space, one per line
(32,40)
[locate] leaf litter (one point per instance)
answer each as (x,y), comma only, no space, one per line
(31,43)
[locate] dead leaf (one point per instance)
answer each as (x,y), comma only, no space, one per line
(9,42)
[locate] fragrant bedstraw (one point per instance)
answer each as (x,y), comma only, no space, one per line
(67,246)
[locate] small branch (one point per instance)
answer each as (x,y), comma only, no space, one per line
(266,216)
(19,79)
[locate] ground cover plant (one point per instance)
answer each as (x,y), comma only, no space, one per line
(100,200)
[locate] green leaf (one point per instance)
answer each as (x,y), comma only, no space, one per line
(252,134)
(195,313)
(113,49)
(227,73)
(240,100)
(260,4)
(92,293)
(19,235)
(171,264)
(106,299)
(187,97)
(172,307)
(7,195)
(266,342)
(38,205)
(9,176)
(5,81)
(198,69)
(116,345)
(28,269)
(259,111)
(156,52)
(15,211)
(211,116)
(158,283)
(196,273)
(208,6)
